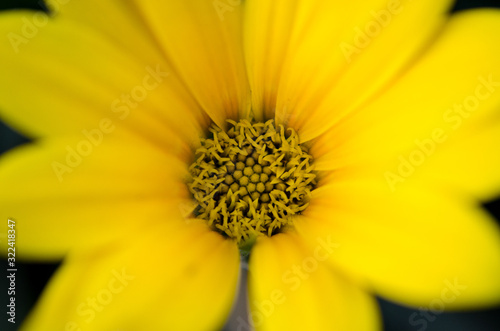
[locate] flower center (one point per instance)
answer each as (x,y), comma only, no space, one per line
(251,179)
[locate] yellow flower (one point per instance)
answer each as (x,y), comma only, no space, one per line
(394,103)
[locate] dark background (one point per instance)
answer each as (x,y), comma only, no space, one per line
(32,277)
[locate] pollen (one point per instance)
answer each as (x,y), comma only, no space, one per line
(251,179)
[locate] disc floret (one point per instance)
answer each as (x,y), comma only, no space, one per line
(251,179)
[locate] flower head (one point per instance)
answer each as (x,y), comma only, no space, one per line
(344,146)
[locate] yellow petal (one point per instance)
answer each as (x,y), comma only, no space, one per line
(56,83)
(414,246)
(132,36)
(469,162)
(459,69)
(62,198)
(202,39)
(266,37)
(162,278)
(299,60)
(292,288)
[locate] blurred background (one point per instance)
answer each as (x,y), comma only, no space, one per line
(32,277)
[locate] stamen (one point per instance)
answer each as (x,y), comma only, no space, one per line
(251,179)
